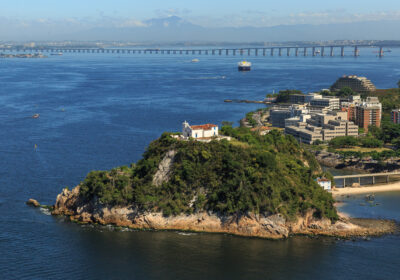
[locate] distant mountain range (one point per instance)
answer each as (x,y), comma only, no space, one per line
(173,29)
(177,29)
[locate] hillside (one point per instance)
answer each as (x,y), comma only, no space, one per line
(253,185)
(259,174)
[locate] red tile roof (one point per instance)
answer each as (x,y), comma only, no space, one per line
(203,126)
(323,180)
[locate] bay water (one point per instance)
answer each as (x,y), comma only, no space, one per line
(99,111)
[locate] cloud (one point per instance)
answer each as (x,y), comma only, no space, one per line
(161,13)
(268,19)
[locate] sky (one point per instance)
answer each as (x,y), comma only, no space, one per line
(208,13)
(50,19)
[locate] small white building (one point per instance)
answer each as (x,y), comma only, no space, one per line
(199,131)
(325,183)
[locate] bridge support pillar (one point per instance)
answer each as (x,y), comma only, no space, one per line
(248,52)
(227,52)
(341,51)
(219,52)
(213,52)
(297,52)
(356,51)
(263,52)
(305,52)
(272,51)
(331,51)
(288,51)
(313,51)
(206,52)
(234,52)
(256,52)
(322,51)
(280,51)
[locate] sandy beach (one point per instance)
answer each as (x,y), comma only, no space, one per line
(367,189)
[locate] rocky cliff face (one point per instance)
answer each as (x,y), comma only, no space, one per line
(275,226)
(354,163)
(164,169)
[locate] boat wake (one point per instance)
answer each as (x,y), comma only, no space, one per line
(186,233)
(208,78)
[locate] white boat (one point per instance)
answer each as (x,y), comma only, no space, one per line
(244,66)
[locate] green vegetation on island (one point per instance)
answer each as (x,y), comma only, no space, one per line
(260,174)
(284,95)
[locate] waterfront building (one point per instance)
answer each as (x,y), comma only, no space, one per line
(325,183)
(302,98)
(368,113)
(199,131)
(323,127)
(396,116)
(326,102)
(357,84)
(278,114)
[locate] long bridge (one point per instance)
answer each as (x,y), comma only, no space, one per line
(366,179)
(255,51)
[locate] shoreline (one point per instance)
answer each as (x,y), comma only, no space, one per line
(391,187)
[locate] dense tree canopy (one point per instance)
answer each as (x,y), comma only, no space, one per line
(284,95)
(252,173)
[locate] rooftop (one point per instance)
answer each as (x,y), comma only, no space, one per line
(207,126)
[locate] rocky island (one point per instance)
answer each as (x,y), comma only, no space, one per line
(253,185)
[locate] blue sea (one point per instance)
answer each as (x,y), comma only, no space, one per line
(99,111)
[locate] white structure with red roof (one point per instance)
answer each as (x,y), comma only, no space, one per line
(325,183)
(199,131)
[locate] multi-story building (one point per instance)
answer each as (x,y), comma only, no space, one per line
(302,98)
(357,84)
(278,114)
(323,127)
(368,113)
(330,103)
(396,116)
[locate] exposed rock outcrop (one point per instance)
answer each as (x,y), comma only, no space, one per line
(353,163)
(33,202)
(274,226)
(164,169)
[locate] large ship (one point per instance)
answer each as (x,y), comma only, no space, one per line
(244,66)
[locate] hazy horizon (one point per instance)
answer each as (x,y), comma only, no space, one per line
(156,20)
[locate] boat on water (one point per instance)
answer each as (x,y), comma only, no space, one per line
(35,116)
(195,60)
(244,66)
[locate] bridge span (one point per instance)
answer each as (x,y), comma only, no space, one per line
(366,179)
(313,51)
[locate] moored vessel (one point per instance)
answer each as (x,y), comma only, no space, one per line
(244,66)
